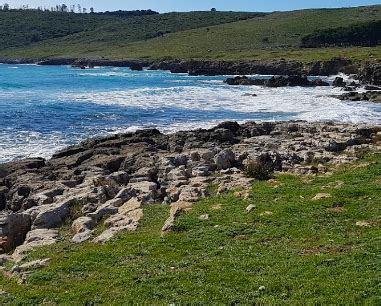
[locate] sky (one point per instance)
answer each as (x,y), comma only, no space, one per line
(191,5)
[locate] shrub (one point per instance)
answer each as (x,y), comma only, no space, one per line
(259,171)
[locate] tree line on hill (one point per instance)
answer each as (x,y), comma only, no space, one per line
(76,8)
(366,34)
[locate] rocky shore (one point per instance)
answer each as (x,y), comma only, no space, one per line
(109,180)
(366,72)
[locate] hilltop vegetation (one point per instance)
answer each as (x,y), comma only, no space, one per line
(200,35)
(364,34)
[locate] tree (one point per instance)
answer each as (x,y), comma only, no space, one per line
(6,7)
(79,8)
(214,9)
(91,10)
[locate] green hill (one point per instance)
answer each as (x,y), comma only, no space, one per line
(21,28)
(206,35)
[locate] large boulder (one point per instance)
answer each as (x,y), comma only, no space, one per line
(339,82)
(225,159)
(35,238)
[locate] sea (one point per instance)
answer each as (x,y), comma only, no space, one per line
(46,108)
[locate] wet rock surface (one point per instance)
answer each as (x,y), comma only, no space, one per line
(109,180)
(370,96)
(277,81)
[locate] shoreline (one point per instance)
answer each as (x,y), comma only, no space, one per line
(103,174)
(214,67)
(367,72)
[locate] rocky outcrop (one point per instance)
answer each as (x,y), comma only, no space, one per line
(281,67)
(109,180)
(370,73)
(370,96)
(277,81)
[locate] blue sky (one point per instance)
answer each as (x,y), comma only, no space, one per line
(188,5)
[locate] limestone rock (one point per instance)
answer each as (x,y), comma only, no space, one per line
(225,159)
(35,238)
(83,224)
(250,208)
(175,211)
(321,196)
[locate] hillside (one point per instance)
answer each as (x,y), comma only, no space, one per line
(192,35)
(21,28)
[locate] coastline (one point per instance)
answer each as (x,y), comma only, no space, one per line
(367,72)
(146,167)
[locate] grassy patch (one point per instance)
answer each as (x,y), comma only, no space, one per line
(290,249)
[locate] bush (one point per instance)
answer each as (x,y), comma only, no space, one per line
(366,34)
(259,171)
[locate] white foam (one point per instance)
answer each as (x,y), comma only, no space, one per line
(312,104)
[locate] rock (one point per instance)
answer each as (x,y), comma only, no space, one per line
(244,80)
(82,236)
(262,288)
(232,126)
(200,171)
(225,159)
(51,216)
(176,210)
(371,96)
(293,81)
(222,135)
(319,82)
(339,82)
(83,224)
(250,208)
(35,238)
(370,73)
(334,146)
(36,264)
(106,209)
(204,217)
(191,194)
(145,191)
(180,160)
(13,229)
(321,196)
(266,213)
(127,219)
(107,235)
(363,223)
(131,205)
(371,87)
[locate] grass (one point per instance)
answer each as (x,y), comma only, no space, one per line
(273,36)
(289,250)
(23,28)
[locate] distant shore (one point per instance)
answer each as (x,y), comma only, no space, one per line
(367,72)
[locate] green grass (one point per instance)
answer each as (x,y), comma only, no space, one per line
(305,252)
(22,28)
(274,36)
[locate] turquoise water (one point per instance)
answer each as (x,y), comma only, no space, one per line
(45,108)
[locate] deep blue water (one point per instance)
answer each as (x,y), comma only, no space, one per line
(44,108)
